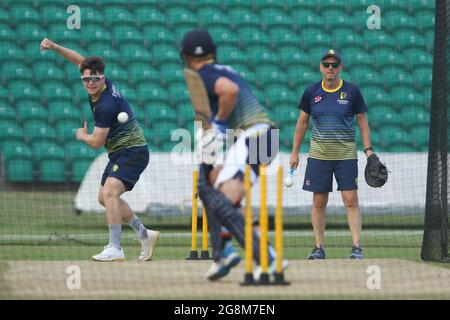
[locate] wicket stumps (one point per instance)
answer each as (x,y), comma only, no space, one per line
(264,230)
(193,254)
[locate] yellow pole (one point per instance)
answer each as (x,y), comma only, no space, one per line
(264,221)
(194,211)
(279,221)
(248,223)
(204,231)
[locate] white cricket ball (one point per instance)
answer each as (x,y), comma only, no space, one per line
(122,117)
(288,182)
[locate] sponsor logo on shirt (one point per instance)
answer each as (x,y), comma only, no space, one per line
(342,98)
(317,99)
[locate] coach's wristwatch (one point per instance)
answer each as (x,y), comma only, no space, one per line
(367,149)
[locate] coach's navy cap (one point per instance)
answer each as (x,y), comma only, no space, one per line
(198,43)
(331,53)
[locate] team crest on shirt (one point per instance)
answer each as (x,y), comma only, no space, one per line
(342,98)
(317,99)
(115,168)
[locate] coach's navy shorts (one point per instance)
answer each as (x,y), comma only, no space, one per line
(126,164)
(319,175)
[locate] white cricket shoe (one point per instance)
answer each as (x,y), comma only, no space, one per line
(109,254)
(271,270)
(148,245)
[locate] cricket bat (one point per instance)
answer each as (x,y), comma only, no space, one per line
(199,97)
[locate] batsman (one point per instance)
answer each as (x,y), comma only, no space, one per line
(241,131)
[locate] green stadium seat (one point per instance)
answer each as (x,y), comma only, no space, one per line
(44,71)
(23,14)
(143,72)
(53,14)
(159,113)
(129,94)
(415,117)
(420,137)
(7,112)
(251,36)
(386,58)
(313,37)
(281,37)
(38,131)
(163,53)
(270,17)
(185,114)
(61,111)
(304,17)
(158,34)
(274,5)
(224,36)
(179,16)
(103,50)
(378,39)
(94,33)
(404,147)
(231,54)
(10,52)
(61,34)
(180,31)
(178,93)
(212,17)
(391,137)
(10,132)
(292,55)
(47,150)
(241,17)
(417,58)
(6,33)
(407,97)
(52,170)
(4,94)
(362,75)
(375,96)
(335,17)
(19,170)
(115,15)
(54,91)
(79,169)
(150,16)
(397,77)
(29,32)
(27,110)
(408,39)
(347,40)
(116,73)
(139,114)
(15,71)
(259,55)
(276,94)
(287,114)
(394,20)
(171,73)
(4,16)
(329,4)
(383,116)
(354,57)
(423,76)
(15,150)
(425,20)
(92,15)
(23,90)
(77,150)
(136,53)
(124,35)
(150,93)
(300,76)
(267,75)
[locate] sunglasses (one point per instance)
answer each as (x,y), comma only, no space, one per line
(94,79)
(334,65)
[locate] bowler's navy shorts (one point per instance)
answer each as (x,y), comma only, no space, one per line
(319,175)
(126,164)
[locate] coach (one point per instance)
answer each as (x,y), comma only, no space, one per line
(332,105)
